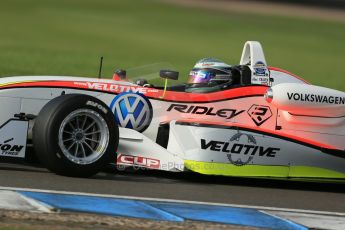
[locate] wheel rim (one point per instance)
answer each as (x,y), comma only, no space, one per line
(83,136)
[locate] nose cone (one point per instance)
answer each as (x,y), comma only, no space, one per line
(269,95)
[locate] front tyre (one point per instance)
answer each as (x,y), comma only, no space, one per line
(75,135)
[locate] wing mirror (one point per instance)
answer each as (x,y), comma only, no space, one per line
(169,74)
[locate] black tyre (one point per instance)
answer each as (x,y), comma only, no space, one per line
(75,135)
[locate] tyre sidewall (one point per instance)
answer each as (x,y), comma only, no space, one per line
(54,114)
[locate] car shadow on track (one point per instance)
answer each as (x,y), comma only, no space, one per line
(154,176)
(337,186)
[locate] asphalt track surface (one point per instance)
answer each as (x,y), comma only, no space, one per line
(184,186)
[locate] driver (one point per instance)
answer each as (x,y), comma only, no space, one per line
(207,75)
(210,74)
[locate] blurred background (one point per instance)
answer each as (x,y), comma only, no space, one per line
(67,37)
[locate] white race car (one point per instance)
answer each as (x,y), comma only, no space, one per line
(263,122)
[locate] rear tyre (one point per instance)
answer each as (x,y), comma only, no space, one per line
(75,135)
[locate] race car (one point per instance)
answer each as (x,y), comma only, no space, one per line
(247,120)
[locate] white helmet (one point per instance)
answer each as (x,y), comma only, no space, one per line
(210,71)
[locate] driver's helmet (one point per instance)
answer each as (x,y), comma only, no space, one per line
(210,71)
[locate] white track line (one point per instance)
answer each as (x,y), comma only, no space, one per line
(42,207)
(312,221)
(12,200)
(176,201)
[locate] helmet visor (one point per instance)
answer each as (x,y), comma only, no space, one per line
(200,76)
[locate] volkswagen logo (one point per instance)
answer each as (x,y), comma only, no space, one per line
(132,110)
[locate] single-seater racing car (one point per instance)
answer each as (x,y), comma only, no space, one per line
(247,120)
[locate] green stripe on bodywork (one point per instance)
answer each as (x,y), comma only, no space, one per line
(307,171)
(212,168)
